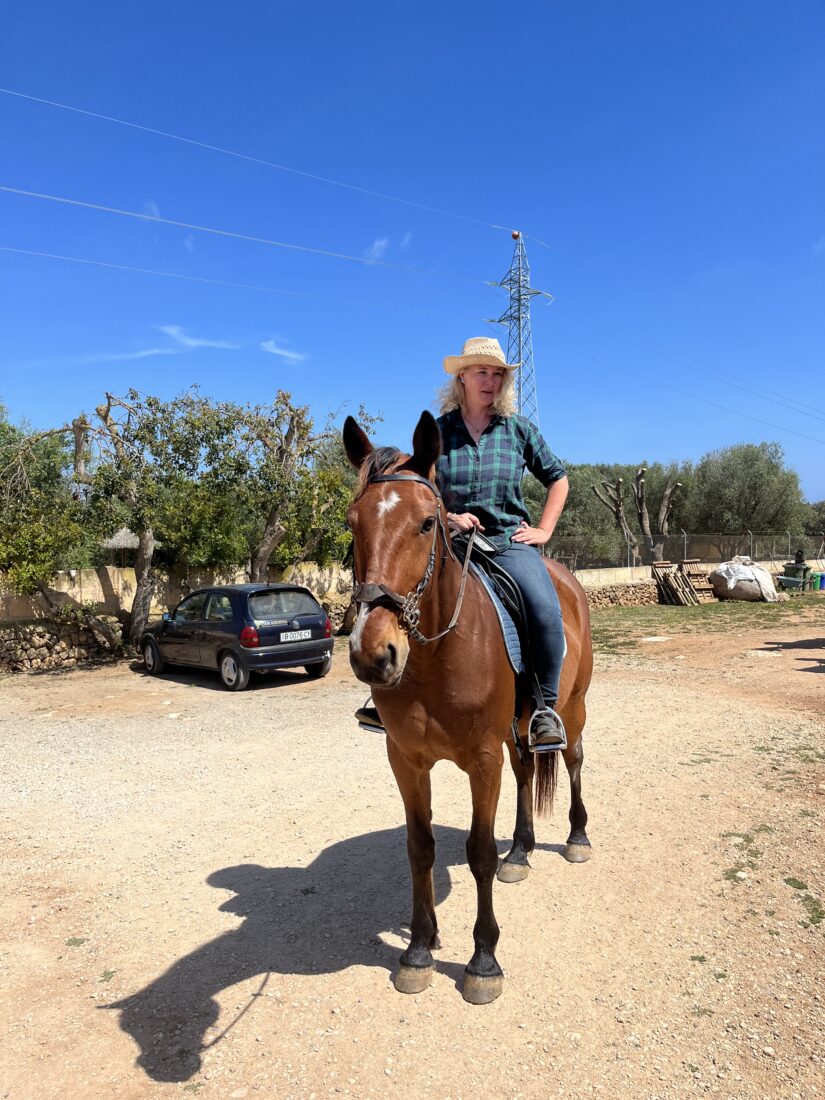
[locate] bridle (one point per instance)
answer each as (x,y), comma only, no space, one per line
(408,606)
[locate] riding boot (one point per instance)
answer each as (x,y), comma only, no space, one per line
(546,732)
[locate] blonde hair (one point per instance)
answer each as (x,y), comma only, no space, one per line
(451,394)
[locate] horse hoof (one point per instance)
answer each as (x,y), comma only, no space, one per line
(512,872)
(577,853)
(481,991)
(413,979)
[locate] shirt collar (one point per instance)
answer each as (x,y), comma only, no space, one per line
(458,420)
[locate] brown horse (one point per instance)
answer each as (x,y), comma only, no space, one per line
(445,690)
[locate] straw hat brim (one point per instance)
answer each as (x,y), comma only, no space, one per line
(455,363)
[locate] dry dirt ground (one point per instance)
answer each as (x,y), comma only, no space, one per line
(206,893)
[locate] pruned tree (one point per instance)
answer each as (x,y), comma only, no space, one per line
(651,546)
(295,483)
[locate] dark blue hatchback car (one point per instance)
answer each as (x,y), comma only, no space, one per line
(239,629)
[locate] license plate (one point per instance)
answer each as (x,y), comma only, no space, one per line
(295,635)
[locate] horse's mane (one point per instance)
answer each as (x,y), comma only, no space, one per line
(382,460)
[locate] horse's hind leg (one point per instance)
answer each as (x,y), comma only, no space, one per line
(416,970)
(483,978)
(516,866)
(577,849)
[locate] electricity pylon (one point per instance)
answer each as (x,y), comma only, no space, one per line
(519,333)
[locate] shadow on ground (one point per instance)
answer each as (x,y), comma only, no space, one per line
(315,920)
(817,661)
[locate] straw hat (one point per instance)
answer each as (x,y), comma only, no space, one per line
(478,351)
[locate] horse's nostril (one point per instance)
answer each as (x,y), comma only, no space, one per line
(392,654)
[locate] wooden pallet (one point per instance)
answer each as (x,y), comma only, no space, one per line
(674,587)
(697,576)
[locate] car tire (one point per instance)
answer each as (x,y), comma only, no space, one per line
(317,671)
(152,660)
(234,675)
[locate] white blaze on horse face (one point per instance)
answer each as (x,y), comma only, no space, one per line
(358,628)
(388,503)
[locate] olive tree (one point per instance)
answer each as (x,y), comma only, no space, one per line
(747,487)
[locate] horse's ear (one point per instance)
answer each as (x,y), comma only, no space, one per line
(356,443)
(426,445)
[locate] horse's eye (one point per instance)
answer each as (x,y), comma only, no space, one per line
(427,525)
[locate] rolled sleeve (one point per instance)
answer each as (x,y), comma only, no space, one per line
(540,460)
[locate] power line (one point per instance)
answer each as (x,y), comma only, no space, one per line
(235,236)
(214,282)
(255,160)
(684,359)
(686,393)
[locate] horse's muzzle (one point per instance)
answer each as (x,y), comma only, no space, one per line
(378,648)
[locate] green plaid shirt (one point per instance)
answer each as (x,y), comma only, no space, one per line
(485,479)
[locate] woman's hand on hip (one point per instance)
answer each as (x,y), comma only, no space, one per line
(464,521)
(530,536)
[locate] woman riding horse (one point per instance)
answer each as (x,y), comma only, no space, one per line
(428,642)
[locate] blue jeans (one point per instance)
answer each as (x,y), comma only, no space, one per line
(543,614)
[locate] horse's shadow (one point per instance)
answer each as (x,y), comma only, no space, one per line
(314,920)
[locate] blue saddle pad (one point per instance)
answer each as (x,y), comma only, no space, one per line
(508,627)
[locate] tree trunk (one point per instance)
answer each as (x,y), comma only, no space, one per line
(611,498)
(145,585)
(317,533)
(272,536)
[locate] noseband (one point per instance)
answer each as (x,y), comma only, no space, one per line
(374,595)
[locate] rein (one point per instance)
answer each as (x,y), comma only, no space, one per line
(375,594)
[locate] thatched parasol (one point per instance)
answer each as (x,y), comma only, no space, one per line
(124,539)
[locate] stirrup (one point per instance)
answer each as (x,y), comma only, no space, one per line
(369,718)
(556,746)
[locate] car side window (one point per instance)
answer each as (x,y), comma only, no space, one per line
(219,609)
(190,610)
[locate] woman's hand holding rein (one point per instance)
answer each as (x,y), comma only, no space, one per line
(464,521)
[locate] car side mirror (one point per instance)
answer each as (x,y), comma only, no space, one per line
(167,618)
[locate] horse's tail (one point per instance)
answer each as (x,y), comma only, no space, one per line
(544,781)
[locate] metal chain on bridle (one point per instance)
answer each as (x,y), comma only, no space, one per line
(408,606)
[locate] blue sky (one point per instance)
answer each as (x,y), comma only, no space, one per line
(665,160)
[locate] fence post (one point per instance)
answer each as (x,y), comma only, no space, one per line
(684,543)
(750,547)
(789,544)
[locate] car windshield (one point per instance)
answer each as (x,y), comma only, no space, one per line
(281,605)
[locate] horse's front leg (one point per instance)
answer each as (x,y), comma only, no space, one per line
(483,977)
(416,970)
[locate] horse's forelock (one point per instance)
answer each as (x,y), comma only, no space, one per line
(382,460)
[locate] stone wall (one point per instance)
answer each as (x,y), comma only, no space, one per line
(636,594)
(46,644)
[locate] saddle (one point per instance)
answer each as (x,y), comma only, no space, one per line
(506,596)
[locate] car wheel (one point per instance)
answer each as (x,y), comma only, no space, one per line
(234,675)
(315,672)
(152,660)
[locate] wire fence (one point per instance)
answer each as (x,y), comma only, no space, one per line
(599,551)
